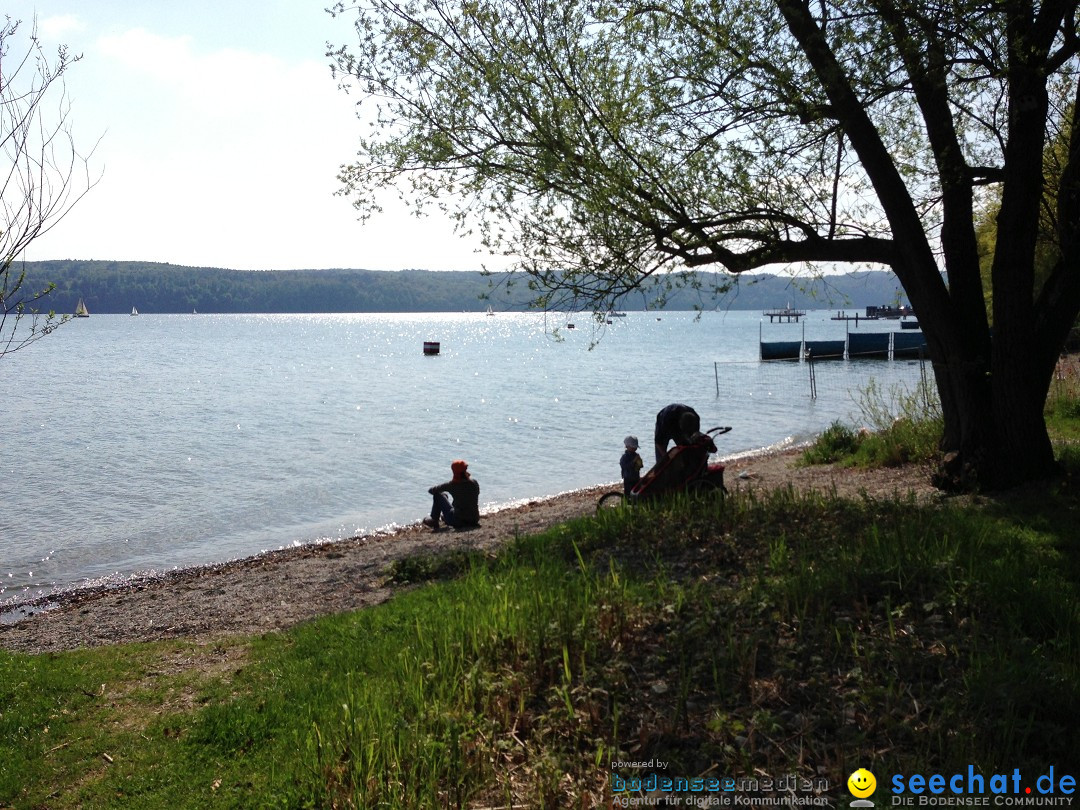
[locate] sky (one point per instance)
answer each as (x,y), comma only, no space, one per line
(221,135)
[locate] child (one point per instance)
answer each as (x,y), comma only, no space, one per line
(630,464)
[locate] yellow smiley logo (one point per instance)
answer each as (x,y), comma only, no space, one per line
(861,783)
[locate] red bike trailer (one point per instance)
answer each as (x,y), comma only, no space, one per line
(685,469)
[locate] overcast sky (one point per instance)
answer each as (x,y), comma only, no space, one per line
(221,132)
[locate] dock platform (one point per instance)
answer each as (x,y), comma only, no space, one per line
(787,314)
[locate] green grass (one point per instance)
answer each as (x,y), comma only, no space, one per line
(905,426)
(1063,404)
(901,426)
(779,634)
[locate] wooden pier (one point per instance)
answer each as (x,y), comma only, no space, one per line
(787,314)
(877,313)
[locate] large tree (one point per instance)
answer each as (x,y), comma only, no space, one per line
(607,142)
(42,174)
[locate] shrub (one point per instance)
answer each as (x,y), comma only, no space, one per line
(837,443)
(1063,400)
(904,426)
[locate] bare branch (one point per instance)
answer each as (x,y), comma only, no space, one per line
(42,174)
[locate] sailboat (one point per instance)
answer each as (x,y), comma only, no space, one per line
(134,311)
(81,311)
(490,311)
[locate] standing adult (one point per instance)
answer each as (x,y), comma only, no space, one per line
(675,423)
(457,501)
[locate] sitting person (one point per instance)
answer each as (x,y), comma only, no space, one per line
(456,501)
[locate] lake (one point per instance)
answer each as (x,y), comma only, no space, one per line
(134,445)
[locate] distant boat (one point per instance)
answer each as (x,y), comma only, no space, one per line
(490,311)
(81,311)
(613,314)
(134,311)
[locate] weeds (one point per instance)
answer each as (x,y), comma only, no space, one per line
(1063,401)
(838,442)
(905,426)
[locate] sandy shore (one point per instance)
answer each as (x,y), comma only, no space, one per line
(279,589)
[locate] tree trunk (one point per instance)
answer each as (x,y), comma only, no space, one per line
(995,434)
(1022,369)
(965,392)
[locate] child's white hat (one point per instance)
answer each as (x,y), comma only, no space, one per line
(630,442)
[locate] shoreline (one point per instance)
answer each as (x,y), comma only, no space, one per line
(264,592)
(62,596)
(278,589)
(21,606)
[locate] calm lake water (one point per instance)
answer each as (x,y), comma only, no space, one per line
(143,444)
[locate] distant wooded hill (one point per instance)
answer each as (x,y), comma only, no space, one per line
(116,287)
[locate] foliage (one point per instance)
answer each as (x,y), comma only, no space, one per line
(39,180)
(612,139)
(838,441)
(906,426)
(900,427)
(615,144)
(1063,403)
(775,634)
(609,141)
(152,287)
(1055,160)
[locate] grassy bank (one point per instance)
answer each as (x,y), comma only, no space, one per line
(762,636)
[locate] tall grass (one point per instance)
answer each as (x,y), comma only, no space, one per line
(1063,401)
(948,609)
(905,425)
(901,425)
(497,649)
(431,699)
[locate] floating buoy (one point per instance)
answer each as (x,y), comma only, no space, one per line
(431,347)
